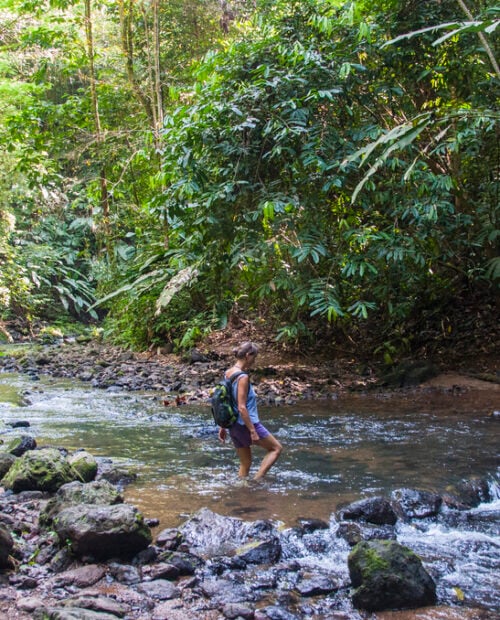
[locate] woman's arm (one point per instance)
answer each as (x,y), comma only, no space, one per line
(243,386)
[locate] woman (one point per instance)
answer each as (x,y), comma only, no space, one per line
(248,430)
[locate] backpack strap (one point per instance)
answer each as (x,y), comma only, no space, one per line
(235,375)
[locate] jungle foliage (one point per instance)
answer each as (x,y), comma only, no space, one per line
(320,167)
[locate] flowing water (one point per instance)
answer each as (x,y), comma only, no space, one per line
(335,452)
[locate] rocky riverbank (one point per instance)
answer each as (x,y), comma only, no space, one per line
(72,550)
(281,378)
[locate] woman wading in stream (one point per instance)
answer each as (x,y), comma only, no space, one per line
(248,430)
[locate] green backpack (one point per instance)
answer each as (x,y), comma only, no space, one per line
(224,409)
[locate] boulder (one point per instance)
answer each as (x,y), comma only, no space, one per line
(6,461)
(376,510)
(387,575)
(39,470)
(209,534)
(103,532)
(98,492)
(6,546)
(415,504)
(85,464)
(19,445)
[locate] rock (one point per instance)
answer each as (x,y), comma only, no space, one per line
(19,424)
(85,464)
(232,611)
(81,577)
(353,533)
(307,526)
(408,374)
(376,510)
(19,445)
(169,539)
(186,563)
(124,573)
(414,504)
(103,532)
(98,492)
(6,462)
(473,492)
(260,552)
(315,585)
(100,604)
(209,534)
(163,570)
(387,575)
(6,546)
(39,470)
(70,613)
(160,589)
(119,474)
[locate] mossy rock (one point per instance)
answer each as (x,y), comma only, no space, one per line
(85,464)
(98,492)
(388,575)
(6,462)
(39,470)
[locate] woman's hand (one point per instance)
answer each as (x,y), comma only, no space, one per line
(254,436)
(222,434)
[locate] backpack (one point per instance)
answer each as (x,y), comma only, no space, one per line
(224,408)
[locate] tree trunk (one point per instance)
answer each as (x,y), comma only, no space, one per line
(97,121)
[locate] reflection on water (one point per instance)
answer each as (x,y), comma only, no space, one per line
(335,452)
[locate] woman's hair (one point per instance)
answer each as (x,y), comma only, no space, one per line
(244,349)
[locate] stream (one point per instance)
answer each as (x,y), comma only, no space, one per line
(335,452)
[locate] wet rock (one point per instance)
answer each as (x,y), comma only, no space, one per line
(6,462)
(209,534)
(232,611)
(186,563)
(260,552)
(19,424)
(39,470)
(307,526)
(160,589)
(6,546)
(19,445)
(376,510)
(415,504)
(85,464)
(473,492)
(387,575)
(275,613)
(103,532)
(353,533)
(316,584)
(169,539)
(115,473)
(98,492)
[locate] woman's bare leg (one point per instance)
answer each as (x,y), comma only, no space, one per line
(245,455)
(274,448)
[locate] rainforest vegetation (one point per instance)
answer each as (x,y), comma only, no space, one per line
(326,169)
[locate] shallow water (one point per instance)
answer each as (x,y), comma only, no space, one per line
(335,452)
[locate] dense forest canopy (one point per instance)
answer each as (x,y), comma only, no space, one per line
(325,168)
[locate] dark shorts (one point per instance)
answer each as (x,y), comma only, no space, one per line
(241,435)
